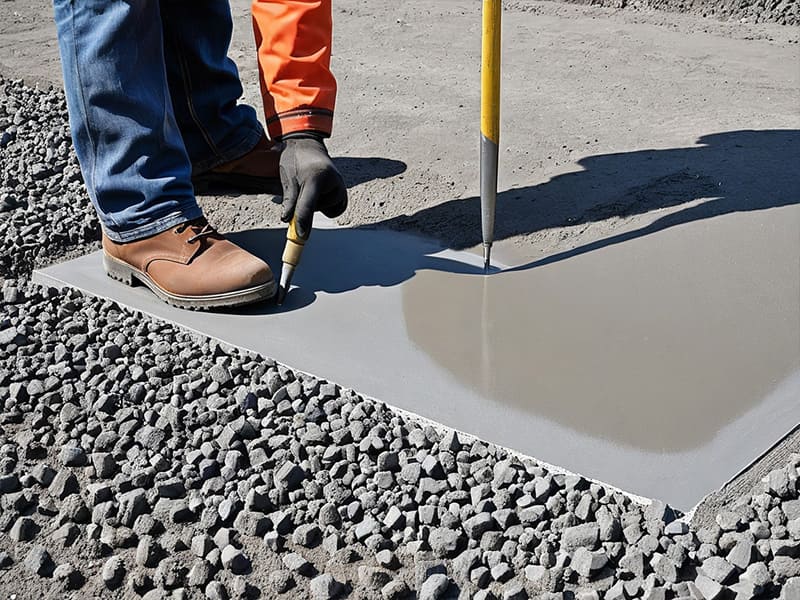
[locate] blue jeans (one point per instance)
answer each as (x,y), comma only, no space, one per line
(152,97)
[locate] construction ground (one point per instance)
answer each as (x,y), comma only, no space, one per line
(614,413)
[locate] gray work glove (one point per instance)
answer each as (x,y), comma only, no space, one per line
(310,182)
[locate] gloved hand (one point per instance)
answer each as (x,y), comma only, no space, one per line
(310,182)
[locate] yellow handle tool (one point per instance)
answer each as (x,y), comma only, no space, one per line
(490,120)
(291,258)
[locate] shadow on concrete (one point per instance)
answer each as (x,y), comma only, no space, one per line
(341,260)
(354,169)
(358,170)
(728,172)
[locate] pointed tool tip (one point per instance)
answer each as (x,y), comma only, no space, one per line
(285,281)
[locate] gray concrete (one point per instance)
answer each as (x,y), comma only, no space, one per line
(663,365)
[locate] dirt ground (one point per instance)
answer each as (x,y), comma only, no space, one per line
(612,119)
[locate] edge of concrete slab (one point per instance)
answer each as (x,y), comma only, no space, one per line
(743,482)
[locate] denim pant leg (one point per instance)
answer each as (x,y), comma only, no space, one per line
(124,131)
(204,82)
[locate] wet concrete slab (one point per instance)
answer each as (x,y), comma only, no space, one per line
(661,361)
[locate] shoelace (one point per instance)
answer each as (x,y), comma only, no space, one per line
(201,227)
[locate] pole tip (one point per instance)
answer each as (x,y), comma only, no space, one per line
(487,257)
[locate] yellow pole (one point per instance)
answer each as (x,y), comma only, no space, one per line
(490,120)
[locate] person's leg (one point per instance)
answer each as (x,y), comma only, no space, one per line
(130,150)
(204,83)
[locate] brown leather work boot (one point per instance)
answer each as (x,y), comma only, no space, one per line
(191,266)
(256,172)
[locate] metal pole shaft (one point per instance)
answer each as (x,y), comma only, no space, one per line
(490,120)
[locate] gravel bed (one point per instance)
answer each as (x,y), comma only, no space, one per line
(140,460)
(45,213)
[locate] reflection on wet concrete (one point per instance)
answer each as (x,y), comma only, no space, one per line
(614,346)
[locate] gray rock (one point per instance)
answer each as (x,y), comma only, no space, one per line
(480,576)
(131,505)
(718,569)
(446,543)
(215,590)
(251,523)
(387,559)
(308,535)
(616,592)
(656,593)
(501,572)
(535,573)
(23,530)
(434,587)
(791,589)
(373,578)
(38,561)
(676,528)
(758,575)
(72,456)
(778,483)
(664,568)
(785,547)
(514,591)
(394,590)
(585,562)
(74,509)
(329,515)
(235,560)
(791,508)
(104,464)
(64,484)
(741,555)
(297,564)
(67,576)
(709,588)
(9,483)
(585,535)
(147,552)
(289,476)
(366,528)
(281,581)
(478,525)
(785,567)
(200,573)
(201,545)
(324,587)
(113,573)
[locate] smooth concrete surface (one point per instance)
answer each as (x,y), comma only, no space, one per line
(662,363)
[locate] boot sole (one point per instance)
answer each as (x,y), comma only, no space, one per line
(123,272)
(220,183)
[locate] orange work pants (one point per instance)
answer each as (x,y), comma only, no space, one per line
(293,39)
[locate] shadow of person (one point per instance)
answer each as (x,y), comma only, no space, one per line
(356,170)
(727,172)
(341,260)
